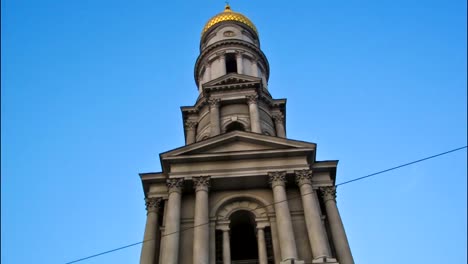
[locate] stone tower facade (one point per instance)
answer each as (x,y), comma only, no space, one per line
(239,191)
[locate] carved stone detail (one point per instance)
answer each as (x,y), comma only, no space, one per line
(277,178)
(328,193)
(278,117)
(201,183)
(252,99)
(190,125)
(214,102)
(153,204)
(303,177)
(175,184)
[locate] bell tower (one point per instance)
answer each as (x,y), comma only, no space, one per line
(231,74)
(239,191)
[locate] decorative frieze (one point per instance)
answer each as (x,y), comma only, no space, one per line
(175,184)
(201,183)
(153,204)
(303,177)
(328,193)
(277,178)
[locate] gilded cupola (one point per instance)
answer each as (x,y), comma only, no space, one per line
(229,15)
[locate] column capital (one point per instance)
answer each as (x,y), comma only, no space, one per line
(190,125)
(252,99)
(277,178)
(213,102)
(153,204)
(303,177)
(328,193)
(278,117)
(201,183)
(175,184)
(262,225)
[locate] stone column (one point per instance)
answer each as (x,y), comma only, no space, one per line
(275,240)
(226,246)
(254,68)
(214,116)
(201,231)
(190,128)
(336,226)
(283,216)
(212,242)
(254,114)
(208,72)
(317,236)
(239,61)
(170,253)
(222,63)
(151,239)
(279,125)
(262,250)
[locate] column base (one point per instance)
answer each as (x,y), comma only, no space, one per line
(325,260)
(292,261)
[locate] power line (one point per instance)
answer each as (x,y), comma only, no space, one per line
(289,199)
(400,166)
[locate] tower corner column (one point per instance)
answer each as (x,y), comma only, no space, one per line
(201,231)
(252,101)
(170,252)
(214,116)
(317,237)
(339,238)
(239,62)
(190,128)
(279,125)
(283,218)
(151,239)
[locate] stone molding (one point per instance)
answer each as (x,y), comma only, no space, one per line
(220,54)
(191,125)
(225,212)
(214,102)
(277,178)
(175,184)
(303,177)
(153,204)
(328,193)
(201,183)
(252,99)
(239,53)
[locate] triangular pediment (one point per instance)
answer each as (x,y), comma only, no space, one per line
(239,142)
(232,79)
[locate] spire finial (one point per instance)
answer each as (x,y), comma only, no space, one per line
(227,8)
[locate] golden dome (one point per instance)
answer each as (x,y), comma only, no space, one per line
(228,15)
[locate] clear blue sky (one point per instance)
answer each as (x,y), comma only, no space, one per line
(91,92)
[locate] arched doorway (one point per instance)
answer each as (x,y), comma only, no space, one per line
(243,240)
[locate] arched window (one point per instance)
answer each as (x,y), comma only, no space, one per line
(243,240)
(231,64)
(235,126)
